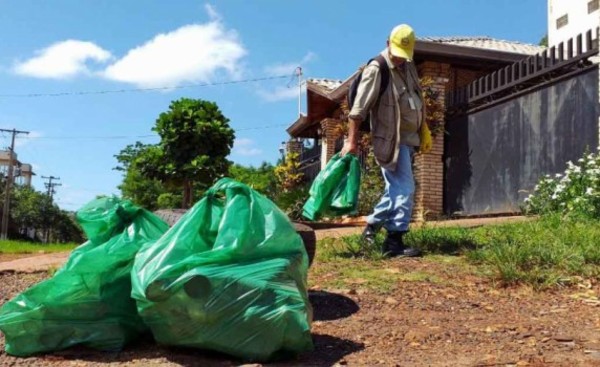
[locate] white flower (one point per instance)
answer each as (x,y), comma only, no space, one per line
(558,175)
(580,160)
(589,191)
(554,196)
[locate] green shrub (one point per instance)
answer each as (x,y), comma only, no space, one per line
(576,192)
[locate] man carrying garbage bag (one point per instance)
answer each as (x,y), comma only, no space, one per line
(88,300)
(398,129)
(229,276)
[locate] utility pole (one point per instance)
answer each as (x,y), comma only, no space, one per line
(9,180)
(299,75)
(50,186)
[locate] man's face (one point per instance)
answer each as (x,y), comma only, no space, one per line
(397,61)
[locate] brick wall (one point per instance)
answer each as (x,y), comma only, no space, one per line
(429,168)
(293,146)
(329,133)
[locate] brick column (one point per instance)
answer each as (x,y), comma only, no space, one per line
(293,146)
(329,134)
(429,168)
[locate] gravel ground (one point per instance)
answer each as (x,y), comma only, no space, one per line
(462,321)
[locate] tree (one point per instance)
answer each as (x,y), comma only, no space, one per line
(195,141)
(136,186)
(33,211)
(544,41)
(260,178)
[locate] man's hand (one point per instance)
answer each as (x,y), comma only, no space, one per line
(349,148)
(351,145)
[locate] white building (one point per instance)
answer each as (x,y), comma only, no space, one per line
(22,172)
(568,18)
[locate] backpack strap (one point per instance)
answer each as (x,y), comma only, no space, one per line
(385,73)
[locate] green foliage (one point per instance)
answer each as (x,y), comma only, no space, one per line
(261,179)
(34,211)
(291,201)
(542,253)
(169,200)
(371,185)
(350,247)
(288,173)
(21,247)
(544,41)
(575,193)
(136,186)
(195,141)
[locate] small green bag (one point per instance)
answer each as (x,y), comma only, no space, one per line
(88,300)
(335,189)
(229,276)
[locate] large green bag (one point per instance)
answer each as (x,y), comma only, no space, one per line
(335,189)
(229,276)
(88,300)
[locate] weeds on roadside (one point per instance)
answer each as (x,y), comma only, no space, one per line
(21,247)
(543,253)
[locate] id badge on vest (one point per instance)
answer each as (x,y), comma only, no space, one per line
(412,104)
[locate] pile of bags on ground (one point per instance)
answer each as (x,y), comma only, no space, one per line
(229,276)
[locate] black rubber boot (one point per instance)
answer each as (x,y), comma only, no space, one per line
(393,246)
(368,235)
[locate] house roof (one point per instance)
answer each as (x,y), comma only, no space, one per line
(324,86)
(487,43)
(479,53)
(458,46)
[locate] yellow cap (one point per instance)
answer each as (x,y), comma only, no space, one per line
(402,41)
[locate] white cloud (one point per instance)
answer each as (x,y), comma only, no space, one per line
(192,53)
(62,60)
(212,13)
(245,147)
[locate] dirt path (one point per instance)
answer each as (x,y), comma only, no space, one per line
(436,314)
(35,263)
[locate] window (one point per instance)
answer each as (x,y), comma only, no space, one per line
(562,21)
(593,6)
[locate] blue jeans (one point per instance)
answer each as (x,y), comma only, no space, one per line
(395,207)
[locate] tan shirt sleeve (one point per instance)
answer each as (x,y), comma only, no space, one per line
(367,92)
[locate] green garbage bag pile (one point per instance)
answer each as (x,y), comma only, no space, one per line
(88,300)
(230,276)
(335,189)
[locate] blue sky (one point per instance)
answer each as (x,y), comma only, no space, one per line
(75,46)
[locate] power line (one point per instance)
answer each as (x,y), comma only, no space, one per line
(89,137)
(110,91)
(107,137)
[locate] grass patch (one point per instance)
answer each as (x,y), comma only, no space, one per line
(345,273)
(21,247)
(543,253)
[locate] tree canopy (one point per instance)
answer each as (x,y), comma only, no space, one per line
(195,140)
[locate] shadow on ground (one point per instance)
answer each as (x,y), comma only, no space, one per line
(331,306)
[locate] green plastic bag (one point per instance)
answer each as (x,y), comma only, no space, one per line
(88,300)
(229,276)
(335,189)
